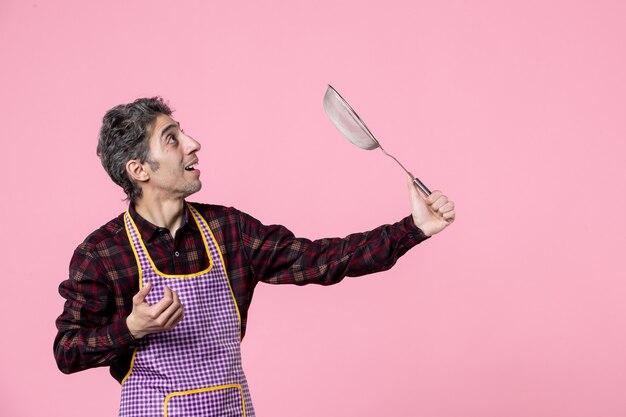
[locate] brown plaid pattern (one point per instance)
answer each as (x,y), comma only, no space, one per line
(103,273)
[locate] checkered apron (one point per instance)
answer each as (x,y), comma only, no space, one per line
(195,368)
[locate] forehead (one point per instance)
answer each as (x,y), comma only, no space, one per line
(160,124)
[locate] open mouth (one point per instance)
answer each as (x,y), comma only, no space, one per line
(191,167)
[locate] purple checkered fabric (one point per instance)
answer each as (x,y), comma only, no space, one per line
(195,368)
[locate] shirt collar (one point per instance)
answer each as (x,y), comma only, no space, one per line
(149,231)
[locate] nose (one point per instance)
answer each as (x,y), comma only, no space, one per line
(192,145)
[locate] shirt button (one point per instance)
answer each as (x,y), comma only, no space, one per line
(176,253)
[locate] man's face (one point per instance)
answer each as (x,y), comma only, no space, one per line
(173,162)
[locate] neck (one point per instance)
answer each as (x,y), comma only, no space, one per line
(168,214)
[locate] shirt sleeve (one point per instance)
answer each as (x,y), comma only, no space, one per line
(89,333)
(278,257)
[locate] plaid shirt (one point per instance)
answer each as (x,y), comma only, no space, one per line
(103,277)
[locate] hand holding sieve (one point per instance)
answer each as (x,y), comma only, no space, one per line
(354,129)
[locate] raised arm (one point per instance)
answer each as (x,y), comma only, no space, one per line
(278,257)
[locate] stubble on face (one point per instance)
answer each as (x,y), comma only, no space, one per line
(162,125)
(192,188)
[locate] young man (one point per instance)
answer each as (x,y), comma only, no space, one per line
(160,294)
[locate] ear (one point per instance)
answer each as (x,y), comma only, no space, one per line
(136,171)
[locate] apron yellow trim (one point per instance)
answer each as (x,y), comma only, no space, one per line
(140,270)
(196,274)
(130,369)
(219,252)
(208,389)
(197,218)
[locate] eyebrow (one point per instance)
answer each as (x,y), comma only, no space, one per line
(169,127)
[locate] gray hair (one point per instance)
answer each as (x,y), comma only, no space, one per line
(124,136)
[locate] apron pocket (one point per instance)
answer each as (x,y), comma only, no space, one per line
(222,401)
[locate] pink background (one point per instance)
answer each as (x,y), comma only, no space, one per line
(515,109)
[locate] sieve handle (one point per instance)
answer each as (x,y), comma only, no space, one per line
(421,186)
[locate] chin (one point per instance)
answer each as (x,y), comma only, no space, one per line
(192,189)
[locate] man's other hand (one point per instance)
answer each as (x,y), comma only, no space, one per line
(159,317)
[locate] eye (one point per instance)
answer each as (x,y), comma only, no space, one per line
(171,139)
